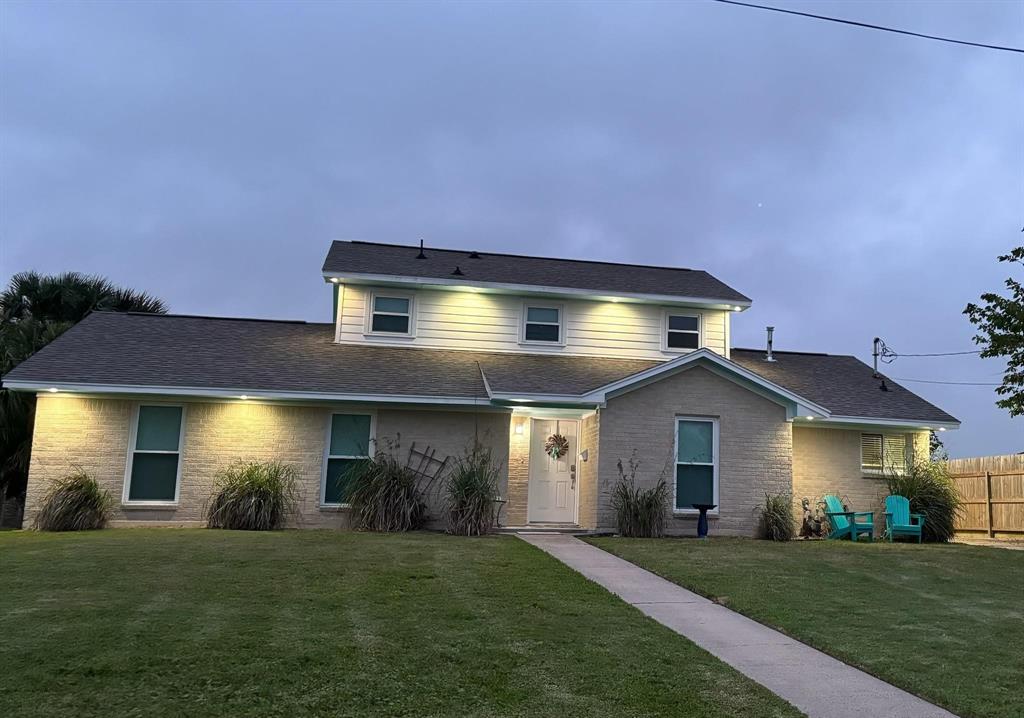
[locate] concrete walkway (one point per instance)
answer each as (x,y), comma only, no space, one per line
(817,684)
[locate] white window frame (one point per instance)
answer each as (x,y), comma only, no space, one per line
(133,434)
(908,453)
(527,305)
(666,313)
(372,298)
(371,448)
(676,462)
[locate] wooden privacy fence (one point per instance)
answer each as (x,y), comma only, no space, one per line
(992,488)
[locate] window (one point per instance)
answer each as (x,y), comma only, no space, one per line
(154,459)
(348,443)
(542,323)
(880,453)
(696,463)
(682,331)
(390,314)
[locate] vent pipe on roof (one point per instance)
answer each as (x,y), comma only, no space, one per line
(768,356)
(421,255)
(458,272)
(474,255)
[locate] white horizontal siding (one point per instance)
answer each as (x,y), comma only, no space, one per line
(490,322)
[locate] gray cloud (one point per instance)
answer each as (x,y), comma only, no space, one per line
(853,183)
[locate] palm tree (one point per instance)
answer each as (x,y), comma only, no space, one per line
(34,310)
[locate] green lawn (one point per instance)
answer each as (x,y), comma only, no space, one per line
(165,622)
(945,622)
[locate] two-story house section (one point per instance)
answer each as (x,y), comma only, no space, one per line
(445,349)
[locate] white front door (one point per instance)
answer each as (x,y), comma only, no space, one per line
(551,495)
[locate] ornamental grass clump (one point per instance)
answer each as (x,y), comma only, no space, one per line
(470,493)
(386,495)
(639,512)
(253,496)
(932,493)
(74,503)
(777,522)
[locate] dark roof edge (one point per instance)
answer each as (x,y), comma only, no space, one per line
(210,316)
(518,256)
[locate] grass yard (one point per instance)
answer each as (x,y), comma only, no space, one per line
(944,622)
(166,622)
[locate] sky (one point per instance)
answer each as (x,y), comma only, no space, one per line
(854,183)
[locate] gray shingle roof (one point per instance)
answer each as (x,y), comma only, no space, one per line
(252,356)
(401,260)
(843,384)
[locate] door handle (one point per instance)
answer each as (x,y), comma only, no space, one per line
(572,475)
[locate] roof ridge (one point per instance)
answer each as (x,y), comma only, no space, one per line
(789,351)
(520,256)
(208,316)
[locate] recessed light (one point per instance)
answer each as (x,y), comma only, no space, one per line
(243,397)
(810,418)
(942,428)
(52,390)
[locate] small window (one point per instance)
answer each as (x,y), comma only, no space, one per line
(696,463)
(682,331)
(348,443)
(542,324)
(391,314)
(154,462)
(881,453)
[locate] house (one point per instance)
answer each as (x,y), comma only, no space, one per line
(441,348)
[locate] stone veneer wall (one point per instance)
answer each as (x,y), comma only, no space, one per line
(828,461)
(755,445)
(92,434)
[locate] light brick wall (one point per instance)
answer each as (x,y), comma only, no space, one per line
(755,445)
(828,461)
(518,473)
(93,434)
(589,471)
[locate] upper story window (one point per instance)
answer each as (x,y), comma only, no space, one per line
(884,453)
(542,324)
(390,313)
(682,331)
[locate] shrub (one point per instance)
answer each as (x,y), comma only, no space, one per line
(932,494)
(253,496)
(386,495)
(639,513)
(471,488)
(777,522)
(74,503)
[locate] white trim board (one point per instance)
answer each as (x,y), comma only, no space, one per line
(532,290)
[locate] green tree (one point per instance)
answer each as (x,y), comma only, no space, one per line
(34,310)
(1000,324)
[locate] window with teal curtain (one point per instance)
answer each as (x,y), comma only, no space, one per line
(695,462)
(156,454)
(349,445)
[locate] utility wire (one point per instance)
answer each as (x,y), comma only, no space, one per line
(958,383)
(940,354)
(872,27)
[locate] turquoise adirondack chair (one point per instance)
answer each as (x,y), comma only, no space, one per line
(899,520)
(845,523)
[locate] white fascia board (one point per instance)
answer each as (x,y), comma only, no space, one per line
(529,289)
(527,398)
(255,395)
(851,422)
(801,405)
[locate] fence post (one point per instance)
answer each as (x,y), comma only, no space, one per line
(988,503)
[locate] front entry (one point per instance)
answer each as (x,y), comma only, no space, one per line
(551,494)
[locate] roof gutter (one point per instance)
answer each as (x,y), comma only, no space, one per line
(242,394)
(536,290)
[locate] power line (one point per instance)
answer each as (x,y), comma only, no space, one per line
(958,383)
(872,27)
(940,354)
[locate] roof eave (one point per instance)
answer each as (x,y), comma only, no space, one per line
(853,422)
(722,303)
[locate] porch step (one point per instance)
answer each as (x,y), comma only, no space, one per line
(549,529)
